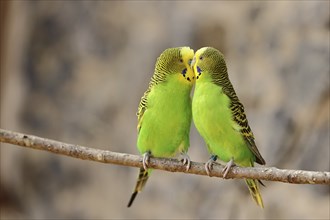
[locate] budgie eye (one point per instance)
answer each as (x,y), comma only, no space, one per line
(181,60)
(201,58)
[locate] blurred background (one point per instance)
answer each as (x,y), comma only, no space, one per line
(75,71)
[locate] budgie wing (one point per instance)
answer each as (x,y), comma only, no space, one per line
(142,108)
(240,118)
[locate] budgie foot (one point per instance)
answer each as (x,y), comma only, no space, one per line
(227,167)
(209,164)
(185,160)
(145,159)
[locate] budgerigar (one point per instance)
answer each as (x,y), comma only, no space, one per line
(164,113)
(220,119)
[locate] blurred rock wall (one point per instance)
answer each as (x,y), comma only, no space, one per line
(74,71)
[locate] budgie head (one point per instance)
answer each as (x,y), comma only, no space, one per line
(208,62)
(175,62)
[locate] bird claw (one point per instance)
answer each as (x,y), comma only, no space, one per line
(185,160)
(145,160)
(208,167)
(226,169)
(209,164)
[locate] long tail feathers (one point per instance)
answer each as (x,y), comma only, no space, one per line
(142,179)
(254,191)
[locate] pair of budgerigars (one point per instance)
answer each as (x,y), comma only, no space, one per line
(166,111)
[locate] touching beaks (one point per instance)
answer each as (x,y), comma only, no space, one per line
(192,63)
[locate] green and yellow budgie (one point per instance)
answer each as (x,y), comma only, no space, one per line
(164,113)
(220,119)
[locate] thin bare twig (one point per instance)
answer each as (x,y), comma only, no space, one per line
(172,165)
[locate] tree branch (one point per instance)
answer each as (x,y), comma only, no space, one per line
(172,165)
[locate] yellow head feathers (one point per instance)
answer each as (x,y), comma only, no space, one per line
(175,62)
(187,55)
(208,60)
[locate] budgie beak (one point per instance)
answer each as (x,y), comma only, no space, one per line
(193,62)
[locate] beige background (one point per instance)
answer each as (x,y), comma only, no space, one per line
(75,71)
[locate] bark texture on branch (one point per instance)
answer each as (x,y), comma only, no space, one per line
(172,165)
